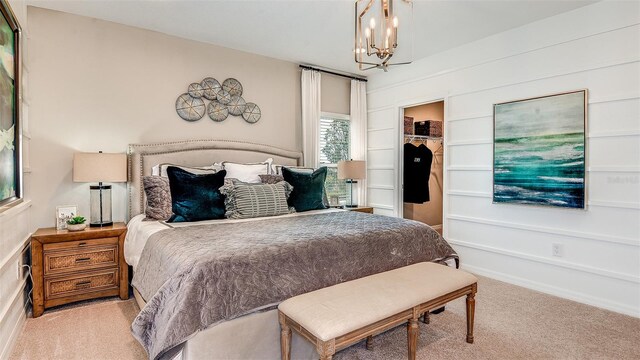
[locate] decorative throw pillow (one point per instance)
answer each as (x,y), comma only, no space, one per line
(158,194)
(308,188)
(249,173)
(246,200)
(270,179)
(195,197)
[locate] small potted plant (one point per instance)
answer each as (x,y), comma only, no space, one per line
(76,223)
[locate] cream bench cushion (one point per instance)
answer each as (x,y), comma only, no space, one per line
(337,310)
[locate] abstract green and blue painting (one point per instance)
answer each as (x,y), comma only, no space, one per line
(539,151)
(8,126)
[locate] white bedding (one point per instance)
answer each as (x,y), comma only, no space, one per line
(139,231)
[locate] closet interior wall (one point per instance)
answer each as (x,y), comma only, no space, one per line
(429,212)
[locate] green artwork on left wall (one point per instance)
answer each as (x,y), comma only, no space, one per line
(9,156)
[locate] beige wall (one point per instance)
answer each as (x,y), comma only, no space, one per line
(97,85)
(431,211)
(335,94)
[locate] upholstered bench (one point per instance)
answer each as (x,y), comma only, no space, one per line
(338,316)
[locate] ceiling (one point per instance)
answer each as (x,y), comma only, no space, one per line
(312,32)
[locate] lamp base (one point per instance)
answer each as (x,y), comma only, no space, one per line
(100,206)
(110,223)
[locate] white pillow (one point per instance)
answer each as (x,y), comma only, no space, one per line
(249,173)
(161,169)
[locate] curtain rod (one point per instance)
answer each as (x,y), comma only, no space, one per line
(333,73)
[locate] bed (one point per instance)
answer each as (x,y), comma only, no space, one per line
(209,289)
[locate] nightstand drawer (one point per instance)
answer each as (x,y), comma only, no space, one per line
(76,259)
(81,283)
(81,244)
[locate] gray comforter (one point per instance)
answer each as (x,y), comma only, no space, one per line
(197,276)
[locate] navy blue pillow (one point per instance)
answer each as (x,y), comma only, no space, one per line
(307,188)
(195,197)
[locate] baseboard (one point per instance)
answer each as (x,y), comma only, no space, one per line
(555,291)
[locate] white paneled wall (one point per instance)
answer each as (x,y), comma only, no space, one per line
(596,47)
(14,247)
(15,225)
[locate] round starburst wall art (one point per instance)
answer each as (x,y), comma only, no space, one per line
(217,112)
(223,96)
(251,113)
(223,99)
(232,86)
(236,105)
(210,88)
(196,90)
(190,108)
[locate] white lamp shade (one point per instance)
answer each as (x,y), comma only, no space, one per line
(99,167)
(352,169)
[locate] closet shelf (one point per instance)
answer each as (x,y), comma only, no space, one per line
(411,138)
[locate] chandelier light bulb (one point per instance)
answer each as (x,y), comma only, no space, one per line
(372,23)
(395,21)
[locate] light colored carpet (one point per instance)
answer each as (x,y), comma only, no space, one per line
(511,323)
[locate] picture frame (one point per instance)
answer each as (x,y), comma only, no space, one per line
(539,150)
(10,116)
(64,213)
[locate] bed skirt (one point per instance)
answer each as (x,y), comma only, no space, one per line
(253,336)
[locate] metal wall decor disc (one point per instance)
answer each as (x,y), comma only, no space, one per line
(236,105)
(217,112)
(196,90)
(251,113)
(223,97)
(190,108)
(232,86)
(210,87)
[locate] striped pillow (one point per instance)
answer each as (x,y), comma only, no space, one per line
(244,200)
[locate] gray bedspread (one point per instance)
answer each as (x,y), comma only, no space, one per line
(197,276)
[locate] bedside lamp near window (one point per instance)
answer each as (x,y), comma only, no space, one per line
(352,170)
(100,167)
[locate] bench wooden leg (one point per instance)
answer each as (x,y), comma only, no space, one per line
(471,308)
(326,349)
(412,335)
(285,338)
(425,317)
(369,343)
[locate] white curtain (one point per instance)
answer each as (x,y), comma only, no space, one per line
(311,89)
(358,117)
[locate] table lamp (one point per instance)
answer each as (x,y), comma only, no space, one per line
(351,170)
(100,167)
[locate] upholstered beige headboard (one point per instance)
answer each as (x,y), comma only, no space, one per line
(142,157)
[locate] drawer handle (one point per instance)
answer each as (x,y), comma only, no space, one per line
(83,283)
(83,259)
(82,244)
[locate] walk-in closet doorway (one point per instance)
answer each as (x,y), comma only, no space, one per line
(422,163)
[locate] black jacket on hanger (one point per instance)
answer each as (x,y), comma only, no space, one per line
(417,169)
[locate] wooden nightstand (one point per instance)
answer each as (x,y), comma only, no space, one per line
(72,266)
(364,209)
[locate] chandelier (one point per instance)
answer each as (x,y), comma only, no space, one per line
(379,38)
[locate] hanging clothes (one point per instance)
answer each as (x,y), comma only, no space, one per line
(417,169)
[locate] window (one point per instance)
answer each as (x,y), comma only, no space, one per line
(335,145)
